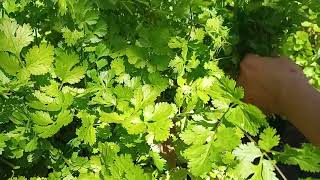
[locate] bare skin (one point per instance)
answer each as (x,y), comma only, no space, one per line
(277,85)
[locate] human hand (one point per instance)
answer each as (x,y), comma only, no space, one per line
(267,81)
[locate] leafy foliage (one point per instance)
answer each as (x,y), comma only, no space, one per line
(307,157)
(114,89)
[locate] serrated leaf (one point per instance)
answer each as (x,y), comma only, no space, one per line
(158,161)
(158,120)
(144,96)
(9,63)
(32,145)
(14,37)
(201,133)
(117,66)
(307,157)
(75,75)
(66,70)
(200,158)
(108,151)
(134,124)
(39,59)
(63,119)
(198,34)
(247,117)
(207,147)
(3,139)
(247,152)
(3,78)
(111,117)
(123,167)
(229,90)
(87,133)
(41,118)
(268,170)
(10,6)
(268,139)
(178,65)
(62,6)
(71,37)
(242,170)
(264,170)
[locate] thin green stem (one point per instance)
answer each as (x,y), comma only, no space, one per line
(268,157)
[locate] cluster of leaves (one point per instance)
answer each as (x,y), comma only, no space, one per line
(115,89)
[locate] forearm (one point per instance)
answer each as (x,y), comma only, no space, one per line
(301,105)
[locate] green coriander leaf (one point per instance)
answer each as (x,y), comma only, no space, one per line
(247,152)
(71,37)
(247,117)
(3,139)
(4,80)
(123,167)
(178,65)
(308,157)
(66,70)
(63,119)
(268,139)
(111,117)
(136,56)
(39,59)
(227,138)
(268,170)
(32,145)
(87,133)
(214,70)
(134,124)
(198,34)
(41,118)
(207,147)
(144,96)
(14,37)
(264,170)
(108,152)
(161,83)
(117,66)
(229,89)
(200,158)
(158,161)
(9,63)
(62,6)
(10,6)
(242,170)
(158,119)
(200,133)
